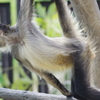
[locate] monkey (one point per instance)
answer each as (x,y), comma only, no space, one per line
(43,54)
(34,50)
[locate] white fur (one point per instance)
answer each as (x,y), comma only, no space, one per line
(42,51)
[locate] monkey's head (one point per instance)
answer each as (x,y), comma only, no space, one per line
(5,31)
(9,35)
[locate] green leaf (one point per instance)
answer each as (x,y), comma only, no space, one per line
(51,10)
(6,80)
(41,10)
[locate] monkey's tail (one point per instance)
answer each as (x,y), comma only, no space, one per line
(68,23)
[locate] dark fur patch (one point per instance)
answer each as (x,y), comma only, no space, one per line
(4,28)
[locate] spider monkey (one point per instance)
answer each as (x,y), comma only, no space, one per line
(34,50)
(43,54)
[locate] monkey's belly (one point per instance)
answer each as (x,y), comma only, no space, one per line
(64,61)
(58,64)
(45,59)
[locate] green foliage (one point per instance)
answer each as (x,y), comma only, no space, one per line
(21,80)
(4,81)
(48,20)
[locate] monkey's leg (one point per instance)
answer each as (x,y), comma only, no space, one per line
(51,79)
(81,76)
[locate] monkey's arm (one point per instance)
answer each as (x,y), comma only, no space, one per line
(67,21)
(50,78)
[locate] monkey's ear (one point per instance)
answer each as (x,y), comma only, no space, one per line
(4,28)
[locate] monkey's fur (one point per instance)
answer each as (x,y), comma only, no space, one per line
(43,54)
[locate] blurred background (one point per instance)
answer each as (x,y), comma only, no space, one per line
(12,74)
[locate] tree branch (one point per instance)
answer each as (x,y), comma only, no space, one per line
(10,94)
